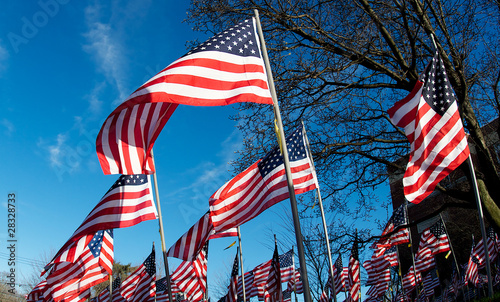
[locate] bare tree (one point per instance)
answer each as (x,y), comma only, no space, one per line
(339,65)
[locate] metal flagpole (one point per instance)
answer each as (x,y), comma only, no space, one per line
(325,229)
(481,222)
(294,279)
(110,287)
(241,266)
(293,200)
(399,271)
(162,235)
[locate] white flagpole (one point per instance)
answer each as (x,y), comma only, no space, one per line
(325,229)
(293,200)
(241,266)
(162,235)
(110,287)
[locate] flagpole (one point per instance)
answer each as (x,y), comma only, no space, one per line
(294,279)
(110,287)
(162,235)
(293,200)
(325,229)
(481,222)
(241,266)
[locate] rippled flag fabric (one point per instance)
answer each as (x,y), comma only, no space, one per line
(141,284)
(227,68)
(263,184)
(432,124)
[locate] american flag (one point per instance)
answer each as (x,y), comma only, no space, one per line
(409,281)
(190,244)
(141,284)
(128,202)
(287,296)
(263,184)
(354,272)
(273,284)
(324,297)
(295,284)
(37,292)
(191,276)
(424,259)
(161,291)
(287,266)
(432,124)
(249,292)
(261,272)
(227,68)
(431,281)
(339,276)
(492,241)
(232,295)
(391,255)
(104,295)
(472,273)
(441,243)
(394,232)
(93,266)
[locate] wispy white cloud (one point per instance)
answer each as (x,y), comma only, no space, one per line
(104,45)
(9,126)
(61,156)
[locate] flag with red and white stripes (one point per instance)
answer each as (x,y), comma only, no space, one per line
(395,232)
(273,283)
(226,69)
(191,276)
(232,295)
(432,124)
(190,244)
(472,272)
(339,276)
(410,280)
(93,266)
(37,292)
(295,284)
(354,273)
(128,202)
(249,292)
(141,284)
(492,242)
(263,184)
(424,259)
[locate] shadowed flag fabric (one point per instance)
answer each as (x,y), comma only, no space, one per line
(93,266)
(226,69)
(472,272)
(295,284)
(354,273)
(141,284)
(338,275)
(262,185)
(273,284)
(37,292)
(394,232)
(191,276)
(190,244)
(128,202)
(232,295)
(492,241)
(286,266)
(432,124)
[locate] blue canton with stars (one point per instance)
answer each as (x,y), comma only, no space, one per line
(296,151)
(96,243)
(286,259)
(437,91)
(238,40)
(129,180)
(149,263)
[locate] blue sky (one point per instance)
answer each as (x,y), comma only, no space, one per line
(64,66)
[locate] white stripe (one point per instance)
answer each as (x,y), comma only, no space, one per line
(113,168)
(119,125)
(133,151)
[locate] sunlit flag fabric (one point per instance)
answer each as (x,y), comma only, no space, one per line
(104,295)
(263,184)
(191,276)
(93,266)
(432,124)
(424,259)
(128,202)
(190,244)
(338,275)
(226,69)
(141,284)
(354,273)
(440,242)
(37,292)
(295,284)
(249,291)
(409,281)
